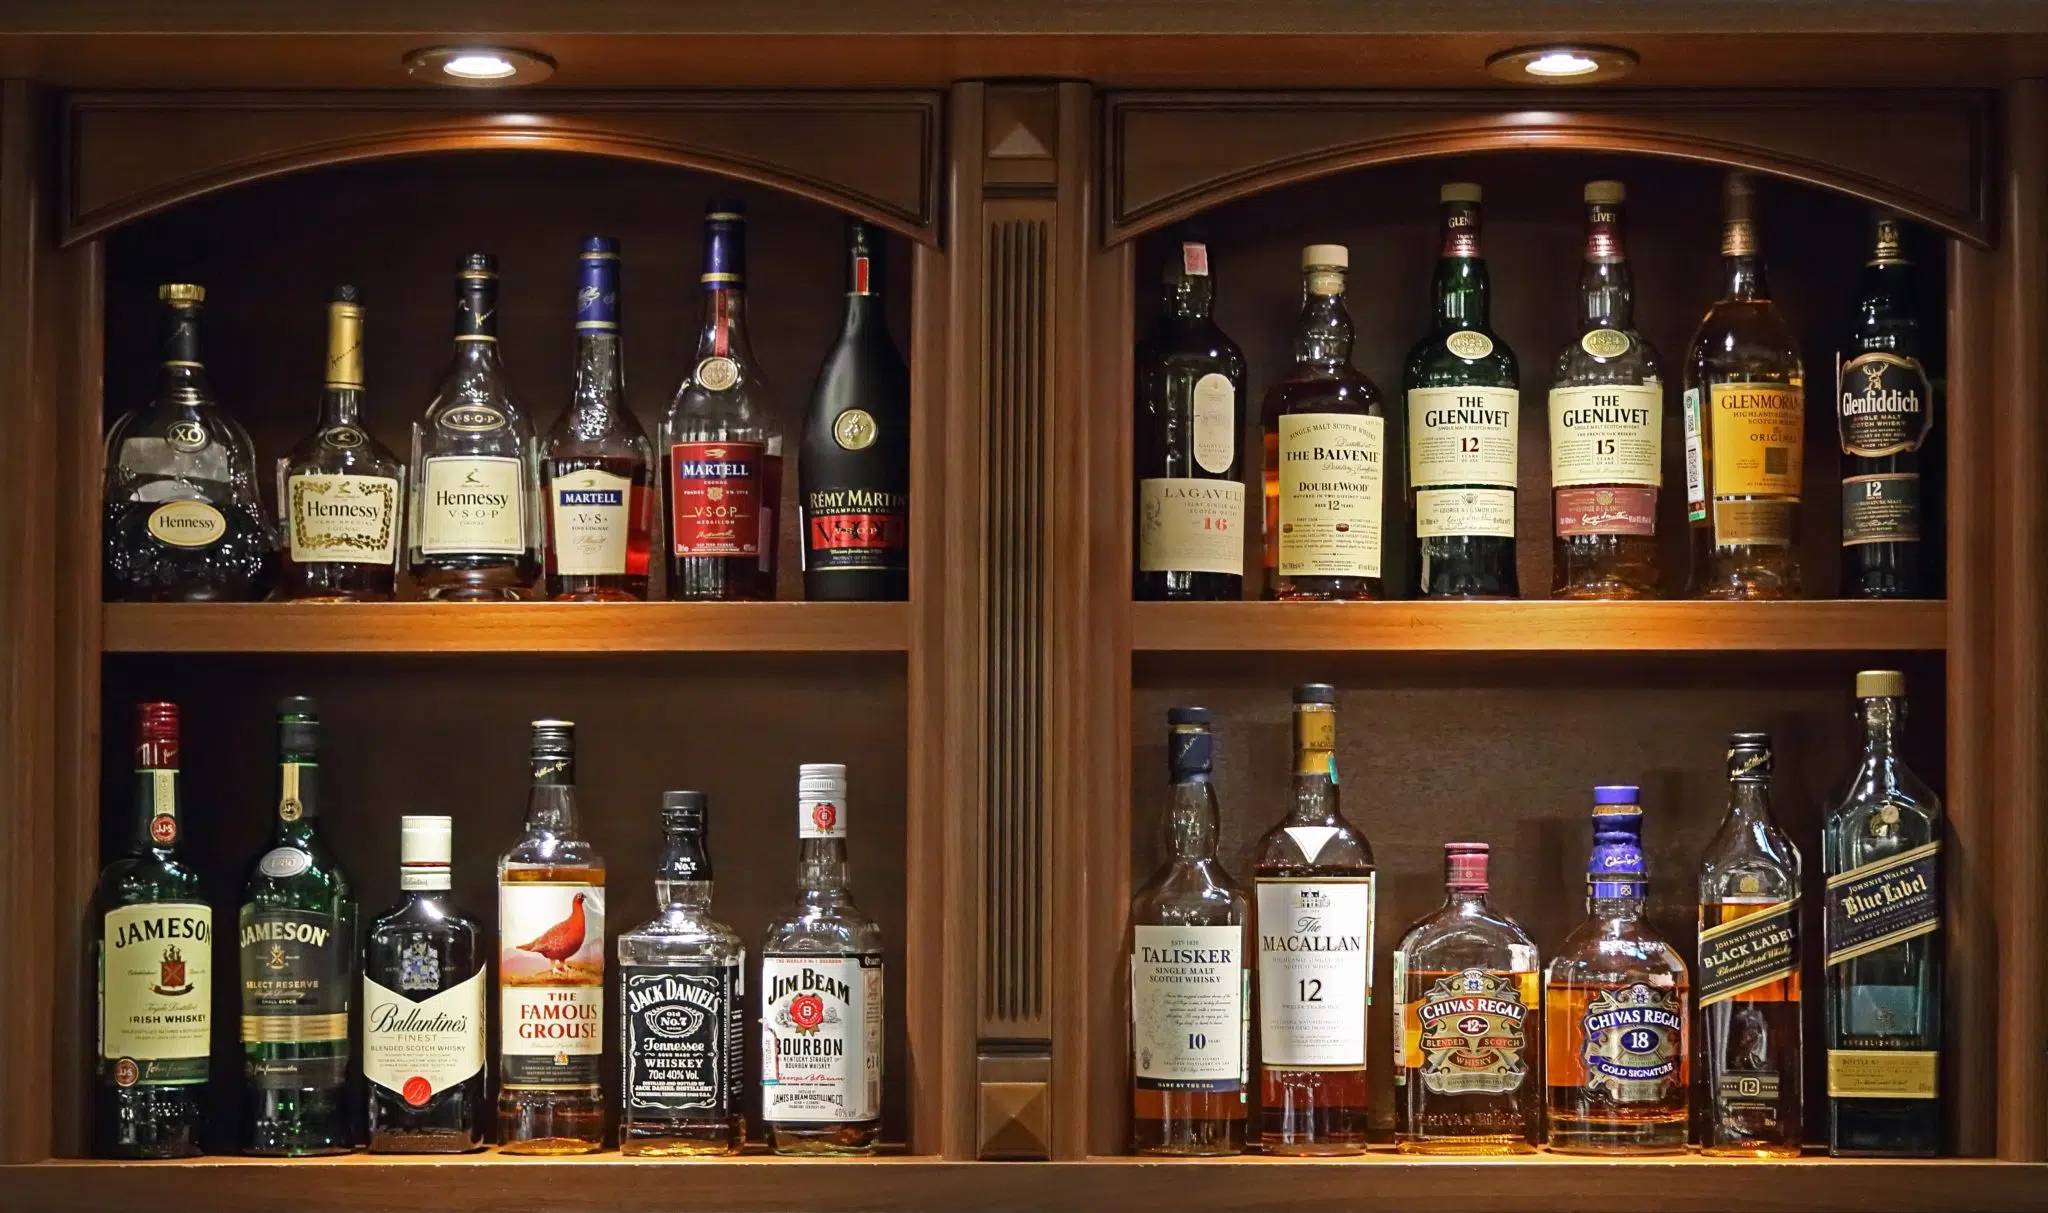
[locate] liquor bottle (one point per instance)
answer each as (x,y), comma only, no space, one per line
(1325,430)
(1745,425)
(155,968)
(1747,1024)
(1606,426)
(597,464)
(423,1007)
(821,993)
(341,492)
(475,528)
(721,442)
(183,521)
(681,991)
(1468,1032)
(298,953)
(1316,886)
(1882,922)
(551,966)
(1190,989)
(1463,424)
(1884,411)
(853,479)
(1614,1006)
(1190,416)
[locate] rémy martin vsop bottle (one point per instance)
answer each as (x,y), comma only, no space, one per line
(1190,455)
(1884,410)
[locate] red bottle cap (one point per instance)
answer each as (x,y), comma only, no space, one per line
(156,735)
(1465,866)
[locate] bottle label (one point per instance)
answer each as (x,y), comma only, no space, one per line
(187,524)
(1214,402)
(1462,436)
(1882,903)
(1754,950)
(1758,439)
(1624,510)
(1469,344)
(1315,971)
(296,969)
(1441,512)
(472,504)
(1884,1074)
(1883,406)
(418,1048)
(338,518)
(1695,460)
(1191,526)
(681,1041)
(550,983)
(1188,1008)
(821,1038)
(1634,1038)
(718,498)
(856,528)
(1332,469)
(1753,523)
(591,511)
(1883,508)
(1470,1034)
(820,818)
(1610,434)
(1605,343)
(156,994)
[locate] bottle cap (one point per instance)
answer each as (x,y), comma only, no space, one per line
(1326,256)
(181,292)
(345,294)
(1315,692)
(1187,716)
(600,246)
(1190,749)
(1606,191)
(426,841)
(1749,756)
(156,721)
(726,209)
(821,800)
(1738,197)
(1615,866)
(685,810)
(1617,794)
(1465,865)
(477,265)
(1880,684)
(1458,191)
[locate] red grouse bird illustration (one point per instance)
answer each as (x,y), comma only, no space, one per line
(561,941)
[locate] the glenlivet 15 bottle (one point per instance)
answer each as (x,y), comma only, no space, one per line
(1884,410)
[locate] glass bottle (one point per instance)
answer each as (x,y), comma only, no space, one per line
(298,954)
(1190,987)
(475,526)
(721,441)
(341,492)
(1745,425)
(1190,453)
(597,464)
(681,993)
(155,953)
(1746,1025)
(1884,412)
(423,1007)
(853,478)
(1464,424)
(1606,426)
(1468,1029)
(1316,885)
(551,966)
(1325,430)
(821,993)
(1614,1007)
(1883,945)
(183,521)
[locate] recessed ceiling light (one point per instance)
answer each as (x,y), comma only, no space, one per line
(478,66)
(1562,64)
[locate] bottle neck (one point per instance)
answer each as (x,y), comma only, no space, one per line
(682,877)
(1883,722)
(1315,766)
(600,382)
(1742,263)
(1324,333)
(342,402)
(1188,298)
(1466,901)
(551,802)
(181,376)
(1458,290)
(341,406)
(1191,818)
(423,881)
(298,796)
(1749,801)
(724,331)
(821,870)
(1606,287)
(157,826)
(1614,907)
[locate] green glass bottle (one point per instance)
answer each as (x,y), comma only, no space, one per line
(298,950)
(1463,425)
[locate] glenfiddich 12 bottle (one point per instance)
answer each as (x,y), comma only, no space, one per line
(1884,411)
(1463,424)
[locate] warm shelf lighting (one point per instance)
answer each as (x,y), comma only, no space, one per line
(478,66)
(1562,64)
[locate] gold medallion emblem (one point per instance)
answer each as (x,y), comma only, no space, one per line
(855,430)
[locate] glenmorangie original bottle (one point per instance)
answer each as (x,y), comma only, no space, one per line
(1884,411)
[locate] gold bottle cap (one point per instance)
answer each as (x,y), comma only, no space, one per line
(181,292)
(1326,256)
(1606,191)
(1458,191)
(1888,251)
(1880,684)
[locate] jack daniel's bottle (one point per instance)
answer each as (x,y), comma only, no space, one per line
(1884,407)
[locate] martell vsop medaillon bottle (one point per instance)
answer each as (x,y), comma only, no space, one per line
(1884,412)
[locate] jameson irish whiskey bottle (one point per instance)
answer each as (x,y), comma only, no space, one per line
(298,952)
(1884,410)
(821,993)
(342,491)
(681,990)
(155,968)
(1316,902)
(423,1007)
(721,442)
(1614,1006)
(596,464)
(1747,1024)
(1190,416)
(1463,424)
(1883,922)
(1190,989)
(1745,425)
(182,519)
(1325,452)
(1606,426)
(475,523)
(551,966)
(854,477)
(1468,1034)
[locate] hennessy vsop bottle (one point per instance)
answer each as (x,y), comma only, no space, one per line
(1884,409)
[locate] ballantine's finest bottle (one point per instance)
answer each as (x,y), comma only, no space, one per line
(1884,413)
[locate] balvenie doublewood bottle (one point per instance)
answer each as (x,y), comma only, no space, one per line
(1884,410)
(853,475)
(1464,424)
(155,969)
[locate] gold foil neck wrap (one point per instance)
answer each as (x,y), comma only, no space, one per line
(1888,252)
(345,345)
(1738,239)
(278,1029)
(1315,737)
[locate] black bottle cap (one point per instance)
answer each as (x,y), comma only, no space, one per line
(1749,756)
(298,707)
(478,264)
(298,725)
(554,737)
(345,294)
(1187,716)
(685,810)
(1315,692)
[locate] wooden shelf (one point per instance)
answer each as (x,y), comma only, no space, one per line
(512,627)
(1539,626)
